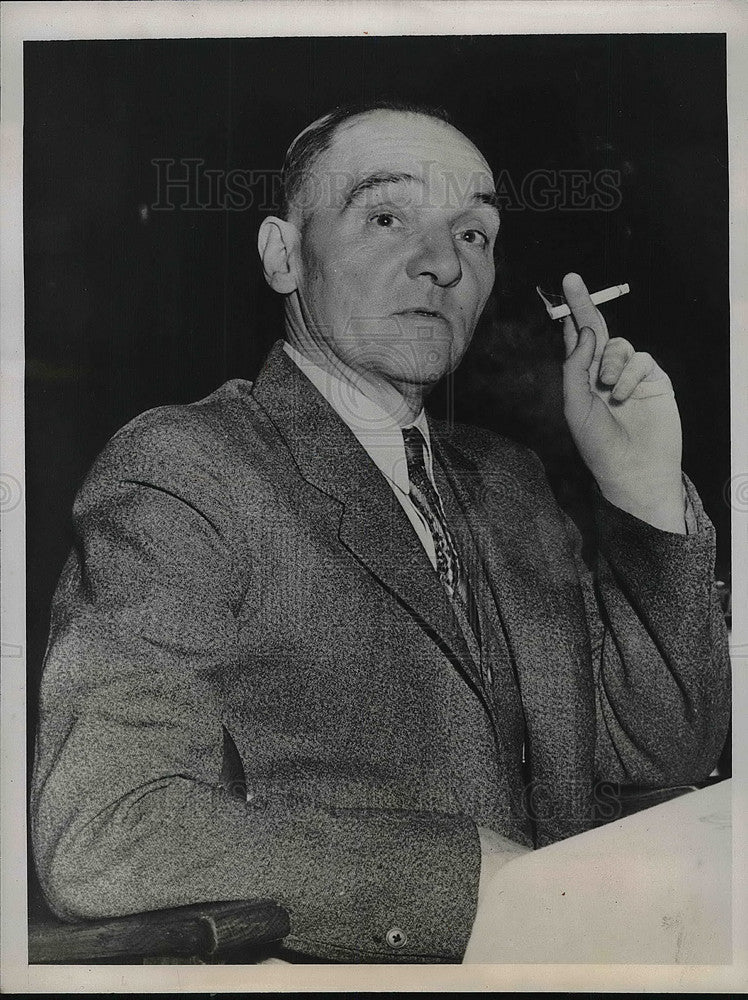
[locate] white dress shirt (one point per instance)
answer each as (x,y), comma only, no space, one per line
(378,433)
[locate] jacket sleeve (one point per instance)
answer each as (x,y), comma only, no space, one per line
(659,649)
(660,654)
(128,813)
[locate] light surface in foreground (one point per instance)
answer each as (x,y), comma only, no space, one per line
(652,888)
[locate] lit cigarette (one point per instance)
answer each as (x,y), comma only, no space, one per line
(558,312)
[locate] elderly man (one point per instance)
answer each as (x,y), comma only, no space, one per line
(313,645)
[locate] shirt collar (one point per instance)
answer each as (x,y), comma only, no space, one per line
(376,430)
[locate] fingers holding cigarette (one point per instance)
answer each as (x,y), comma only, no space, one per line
(583,310)
(584,314)
(597,298)
(612,364)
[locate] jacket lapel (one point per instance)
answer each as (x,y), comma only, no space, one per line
(372,524)
(525,575)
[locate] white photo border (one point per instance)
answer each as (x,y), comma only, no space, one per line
(227,18)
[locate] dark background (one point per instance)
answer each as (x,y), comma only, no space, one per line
(129,307)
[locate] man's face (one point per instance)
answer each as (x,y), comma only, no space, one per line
(396,254)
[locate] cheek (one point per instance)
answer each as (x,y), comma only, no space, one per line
(478,287)
(356,288)
(340,275)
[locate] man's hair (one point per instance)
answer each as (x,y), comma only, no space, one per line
(310,144)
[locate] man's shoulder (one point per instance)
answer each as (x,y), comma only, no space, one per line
(176,438)
(487,450)
(212,415)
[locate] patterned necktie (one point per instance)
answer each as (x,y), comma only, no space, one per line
(427,502)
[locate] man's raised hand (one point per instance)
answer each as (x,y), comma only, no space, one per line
(621,411)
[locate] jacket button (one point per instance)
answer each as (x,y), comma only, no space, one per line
(396,938)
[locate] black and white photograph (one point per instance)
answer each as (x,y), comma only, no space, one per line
(374,495)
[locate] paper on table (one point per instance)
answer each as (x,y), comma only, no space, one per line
(654,888)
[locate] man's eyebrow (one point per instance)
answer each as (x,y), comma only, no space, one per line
(376,180)
(489,198)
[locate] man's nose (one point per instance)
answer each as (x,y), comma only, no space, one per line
(436,258)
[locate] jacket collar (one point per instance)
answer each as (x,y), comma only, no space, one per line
(373,525)
(377,431)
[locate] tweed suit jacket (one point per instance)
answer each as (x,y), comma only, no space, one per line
(256,686)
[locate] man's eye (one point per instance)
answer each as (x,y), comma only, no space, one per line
(385,220)
(473,237)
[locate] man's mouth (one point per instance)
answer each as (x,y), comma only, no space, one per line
(427,313)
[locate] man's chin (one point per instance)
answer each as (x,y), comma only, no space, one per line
(425,370)
(415,363)
(425,380)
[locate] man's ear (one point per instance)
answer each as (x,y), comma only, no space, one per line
(277,243)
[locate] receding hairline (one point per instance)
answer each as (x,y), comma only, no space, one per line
(346,123)
(350,122)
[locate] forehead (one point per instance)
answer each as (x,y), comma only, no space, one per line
(392,141)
